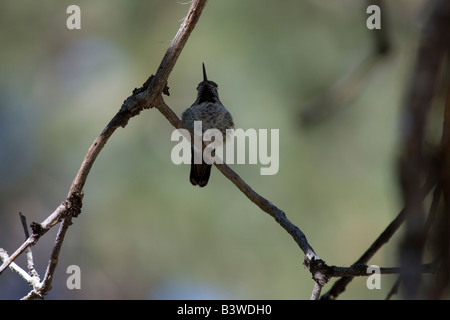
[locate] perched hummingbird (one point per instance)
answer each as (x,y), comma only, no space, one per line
(208,109)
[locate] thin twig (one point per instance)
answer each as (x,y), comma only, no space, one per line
(13,266)
(361,270)
(23,220)
(46,283)
(39,229)
(32,295)
(8,261)
(315,294)
(30,261)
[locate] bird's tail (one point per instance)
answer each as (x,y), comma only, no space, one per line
(200,173)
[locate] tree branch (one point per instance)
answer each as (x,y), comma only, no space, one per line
(30,261)
(139,100)
(414,163)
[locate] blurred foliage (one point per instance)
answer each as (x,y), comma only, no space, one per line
(144,231)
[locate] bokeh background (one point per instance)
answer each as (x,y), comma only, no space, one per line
(144,231)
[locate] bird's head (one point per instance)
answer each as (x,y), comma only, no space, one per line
(207,90)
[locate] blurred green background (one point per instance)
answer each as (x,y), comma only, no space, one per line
(144,231)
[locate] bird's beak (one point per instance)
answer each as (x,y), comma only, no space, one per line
(204,73)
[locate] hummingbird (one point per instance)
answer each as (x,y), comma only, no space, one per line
(208,109)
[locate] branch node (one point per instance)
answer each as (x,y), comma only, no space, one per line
(320,271)
(74,203)
(144,87)
(37,229)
